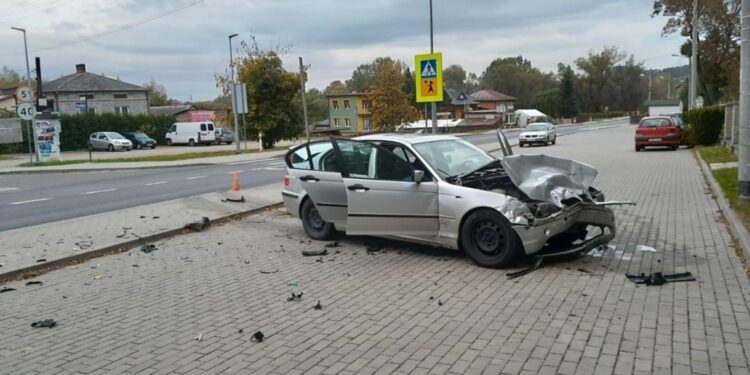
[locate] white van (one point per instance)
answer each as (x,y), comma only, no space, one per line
(191,133)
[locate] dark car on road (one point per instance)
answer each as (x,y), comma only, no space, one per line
(657,131)
(140,140)
(224,135)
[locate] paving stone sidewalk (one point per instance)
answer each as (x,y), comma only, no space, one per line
(407,309)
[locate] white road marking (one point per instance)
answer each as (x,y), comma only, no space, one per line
(32,201)
(156,183)
(251,161)
(195,177)
(233,172)
(267,169)
(97,191)
(7,189)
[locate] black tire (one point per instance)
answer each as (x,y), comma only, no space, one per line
(191,142)
(674,148)
(637,148)
(488,239)
(229,143)
(554,140)
(521,144)
(169,142)
(111,148)
(153,147)
(314,225)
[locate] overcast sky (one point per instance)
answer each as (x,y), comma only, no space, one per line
(183,48)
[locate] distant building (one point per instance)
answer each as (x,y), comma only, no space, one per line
(657,107)
(94,93)
(458,103)
(191,113)
(8,99)
(350,113)
(494,101)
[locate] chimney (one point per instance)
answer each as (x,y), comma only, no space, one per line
(80,68)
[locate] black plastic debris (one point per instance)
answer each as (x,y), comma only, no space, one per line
(6,289)
(240,200)
(296,296)
(46,323)
(220,243)
(198,225)
(33,283)
(155,217)
(148,248)
(373,247)
(440,303)
(537,264)
(319,260)
(333,244)
(267,272)
(583,270)
(318,306)
(314,253)
(658,278)
(42,260)
(258,336)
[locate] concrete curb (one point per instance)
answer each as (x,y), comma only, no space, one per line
(42,268)
(735,225)
(42,171)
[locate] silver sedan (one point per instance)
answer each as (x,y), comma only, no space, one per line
(538,133)
(444,191)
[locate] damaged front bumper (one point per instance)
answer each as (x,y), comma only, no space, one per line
(536,235)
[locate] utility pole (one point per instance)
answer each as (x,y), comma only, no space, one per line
(28,81)
(694,58)
(302,77)
(433,104)
(650,74)
(234,95)
(744,141)
(669,84)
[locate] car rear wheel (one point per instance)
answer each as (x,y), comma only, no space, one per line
(314,225)
(637,148)
(110,148)
(554,140)
(153,147)
(229,143)
(191,142)
(488,239)
(169,142)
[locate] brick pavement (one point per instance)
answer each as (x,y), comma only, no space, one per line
(381,312)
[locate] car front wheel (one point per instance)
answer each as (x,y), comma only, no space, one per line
(314,225)
(169,142)
(488,239)
(111,148)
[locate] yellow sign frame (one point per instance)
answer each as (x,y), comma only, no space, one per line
(428,77)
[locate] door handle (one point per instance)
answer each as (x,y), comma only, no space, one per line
(309,178)
(357,187)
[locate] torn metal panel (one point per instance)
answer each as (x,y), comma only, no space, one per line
(548,178)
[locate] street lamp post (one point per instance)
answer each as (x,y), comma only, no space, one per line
(433,104)
(232,91)
(28,80)
(694,58)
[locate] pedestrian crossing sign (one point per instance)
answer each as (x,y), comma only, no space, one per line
(428,71)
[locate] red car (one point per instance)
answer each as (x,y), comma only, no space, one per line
(657,131)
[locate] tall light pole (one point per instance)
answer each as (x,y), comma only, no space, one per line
(233,94)
(744,146)
(302,77)
(28,81)
(433,104)
(694,58)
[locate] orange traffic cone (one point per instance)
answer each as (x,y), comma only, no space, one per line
(234,194)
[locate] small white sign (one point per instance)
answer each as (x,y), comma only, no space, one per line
(24,94)
(26,111)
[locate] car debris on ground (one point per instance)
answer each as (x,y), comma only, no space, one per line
(318,306)
(6,289)
(33,283)
(645,248)
(46,323)
(258,336)
(333,244)
(314,253)
(148,248)
(198,225)
(657,278)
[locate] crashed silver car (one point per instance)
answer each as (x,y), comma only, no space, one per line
(442,190)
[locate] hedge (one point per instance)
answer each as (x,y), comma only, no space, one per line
(705,124)
(76,129)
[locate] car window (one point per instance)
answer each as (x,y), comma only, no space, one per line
(102,136)
(172,128)
(406,154)
(210,126)
(536,128)
(389,166)
(655,123)
(93,135)
(452,157)
(203,127)
(358,158)
(320,153)
(366,160)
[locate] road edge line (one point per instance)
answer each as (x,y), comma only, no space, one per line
(43,268)
(735,225)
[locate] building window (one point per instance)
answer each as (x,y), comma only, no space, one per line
(335,122)
(346,104)
(368,124)
(87,96)
(347,122)
(122,110)
(335,104)
(366,104)
(87,110)
(121,96)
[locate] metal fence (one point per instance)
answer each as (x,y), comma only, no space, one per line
(730,133)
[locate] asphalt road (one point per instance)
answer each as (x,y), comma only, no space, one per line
(27,200)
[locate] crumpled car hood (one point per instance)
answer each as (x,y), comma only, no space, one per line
(548,178)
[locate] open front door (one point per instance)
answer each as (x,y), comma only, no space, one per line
(314,165)
(383,197)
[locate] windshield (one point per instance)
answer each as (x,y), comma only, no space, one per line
(114,136)
(452,157)
(140,136)
(536,128)
(656,123)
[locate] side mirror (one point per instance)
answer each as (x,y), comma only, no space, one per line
(418,175)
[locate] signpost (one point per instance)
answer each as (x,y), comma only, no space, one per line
(428,71)
(25,110)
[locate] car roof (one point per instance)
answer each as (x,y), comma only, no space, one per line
(668,117)
(408,138)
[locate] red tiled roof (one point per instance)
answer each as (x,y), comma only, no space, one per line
(491,96)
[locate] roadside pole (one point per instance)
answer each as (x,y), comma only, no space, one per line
(433,104)
(302,78)
(694,58)
(744,141)
(234,94)
(29,123)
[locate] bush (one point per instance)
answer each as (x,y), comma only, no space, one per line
(705,124)
(77,128)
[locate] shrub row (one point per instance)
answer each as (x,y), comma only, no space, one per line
(704,125)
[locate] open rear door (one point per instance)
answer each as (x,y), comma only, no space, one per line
(314,165)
